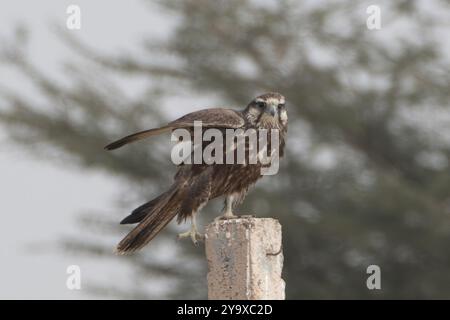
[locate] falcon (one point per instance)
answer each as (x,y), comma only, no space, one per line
(195,184)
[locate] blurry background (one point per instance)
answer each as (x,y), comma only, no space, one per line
(366,179)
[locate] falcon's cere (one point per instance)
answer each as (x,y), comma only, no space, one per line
(195,184)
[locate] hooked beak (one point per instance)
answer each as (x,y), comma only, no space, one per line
(271,109)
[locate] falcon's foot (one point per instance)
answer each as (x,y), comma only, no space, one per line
(228,209)
(226,217)
(193,234)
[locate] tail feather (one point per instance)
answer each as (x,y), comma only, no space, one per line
(136,136)
(138,214)
(161,214)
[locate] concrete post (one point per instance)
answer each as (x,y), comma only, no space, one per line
(245,259)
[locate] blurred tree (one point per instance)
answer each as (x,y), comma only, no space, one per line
(366,179)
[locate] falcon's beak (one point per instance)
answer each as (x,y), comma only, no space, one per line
(271,109)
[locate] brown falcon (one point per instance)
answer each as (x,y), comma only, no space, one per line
(195,184)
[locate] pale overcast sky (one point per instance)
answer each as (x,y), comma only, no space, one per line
(35,209)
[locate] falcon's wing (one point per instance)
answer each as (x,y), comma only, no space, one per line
(212,118)
(217,117)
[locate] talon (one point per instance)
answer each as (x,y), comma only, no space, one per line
(226,217)
(200,236)
(183,235)
(193,234)
(194,238)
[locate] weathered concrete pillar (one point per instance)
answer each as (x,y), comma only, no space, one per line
(245,259)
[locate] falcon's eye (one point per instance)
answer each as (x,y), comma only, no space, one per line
(261,104)
(280,106)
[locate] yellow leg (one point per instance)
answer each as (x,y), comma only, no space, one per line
(228,210)
(192,233)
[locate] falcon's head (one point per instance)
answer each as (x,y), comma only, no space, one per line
(267,111)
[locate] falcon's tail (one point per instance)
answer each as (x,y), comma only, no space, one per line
(141,212)
(154,216)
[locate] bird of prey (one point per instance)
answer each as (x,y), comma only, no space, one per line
(195,184)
